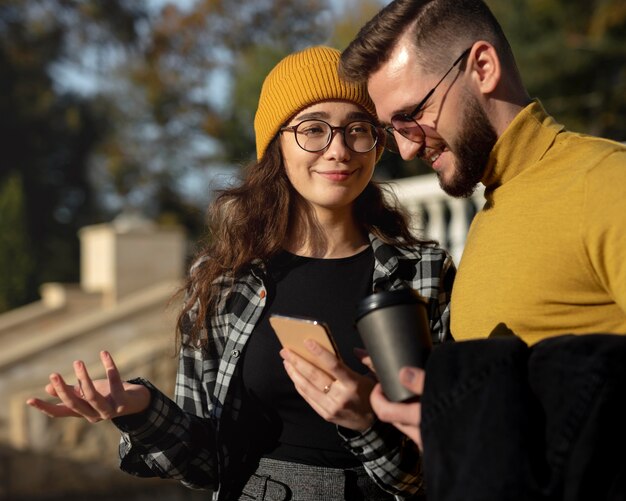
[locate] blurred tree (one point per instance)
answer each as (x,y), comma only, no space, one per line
(16,264)
(47,133)
(572,56)
(188,103)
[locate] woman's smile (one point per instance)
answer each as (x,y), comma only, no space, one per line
(337,175)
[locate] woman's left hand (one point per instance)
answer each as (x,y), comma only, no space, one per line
(336,392)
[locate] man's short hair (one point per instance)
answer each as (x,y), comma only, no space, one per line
(440,31)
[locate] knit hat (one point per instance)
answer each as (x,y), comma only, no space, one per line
(300,80)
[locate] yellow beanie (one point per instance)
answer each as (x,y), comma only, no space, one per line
(300,80)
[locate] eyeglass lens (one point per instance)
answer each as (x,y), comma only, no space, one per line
(315,135)
(408,127)
(428,141)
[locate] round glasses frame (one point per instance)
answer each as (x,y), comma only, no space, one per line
(301,133)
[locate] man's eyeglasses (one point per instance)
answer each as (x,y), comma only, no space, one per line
(405,123)
(315,135)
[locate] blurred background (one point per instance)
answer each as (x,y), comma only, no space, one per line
(119,119)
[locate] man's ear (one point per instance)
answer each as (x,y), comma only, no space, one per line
(485,67)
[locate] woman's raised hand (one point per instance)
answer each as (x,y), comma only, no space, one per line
(94,400)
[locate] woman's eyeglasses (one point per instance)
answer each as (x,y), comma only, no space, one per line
(315,135)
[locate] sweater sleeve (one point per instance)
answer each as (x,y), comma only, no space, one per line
(604,227)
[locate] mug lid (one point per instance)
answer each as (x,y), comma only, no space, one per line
(387,298)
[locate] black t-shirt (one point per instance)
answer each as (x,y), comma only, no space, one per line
(286,427)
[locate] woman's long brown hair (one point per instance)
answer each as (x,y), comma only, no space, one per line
(249,222)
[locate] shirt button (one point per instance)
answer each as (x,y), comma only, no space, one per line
(235,353)
(262,294)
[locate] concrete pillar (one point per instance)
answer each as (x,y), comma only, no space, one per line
(129,254)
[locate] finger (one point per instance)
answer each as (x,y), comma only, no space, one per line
(313,392)
(308,391)
(305,370)
(393,412)
(312,381)
(328,361)
(115,381)
(89,393)
(364,358)
(378,399)
(50,390)
(68,397)
(413,432)
(412,378)
(51,410)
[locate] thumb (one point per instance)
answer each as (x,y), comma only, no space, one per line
(413,379)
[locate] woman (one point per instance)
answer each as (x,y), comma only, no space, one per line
(306,233)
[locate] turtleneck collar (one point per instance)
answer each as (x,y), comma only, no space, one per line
(524,142)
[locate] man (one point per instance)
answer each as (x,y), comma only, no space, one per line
(547,254)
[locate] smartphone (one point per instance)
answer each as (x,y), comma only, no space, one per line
(292,331)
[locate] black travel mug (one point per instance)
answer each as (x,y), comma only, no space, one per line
(395,330)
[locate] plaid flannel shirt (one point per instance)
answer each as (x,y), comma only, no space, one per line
(187,440)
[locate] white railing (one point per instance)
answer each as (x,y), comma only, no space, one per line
(436,215)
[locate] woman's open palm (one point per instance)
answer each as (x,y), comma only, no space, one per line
(94,400)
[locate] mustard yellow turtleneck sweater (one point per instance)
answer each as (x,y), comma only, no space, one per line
(547,254)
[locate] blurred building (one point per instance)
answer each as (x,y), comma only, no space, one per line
(434,214)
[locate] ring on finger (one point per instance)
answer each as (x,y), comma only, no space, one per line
(327,387)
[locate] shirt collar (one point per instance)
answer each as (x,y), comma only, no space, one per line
(387,260)
(523,143)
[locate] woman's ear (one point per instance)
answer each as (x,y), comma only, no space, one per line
(485,67)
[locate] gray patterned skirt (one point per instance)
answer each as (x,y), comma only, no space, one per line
(281,481)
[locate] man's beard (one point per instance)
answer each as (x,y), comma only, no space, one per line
(471,149)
